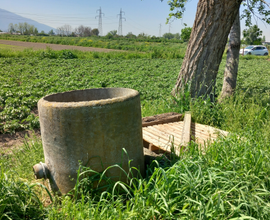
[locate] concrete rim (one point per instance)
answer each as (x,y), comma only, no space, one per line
(130,93)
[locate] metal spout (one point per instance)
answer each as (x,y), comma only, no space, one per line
(41,171)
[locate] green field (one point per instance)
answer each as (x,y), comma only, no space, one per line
(24,80)
(158,47)
(231,180)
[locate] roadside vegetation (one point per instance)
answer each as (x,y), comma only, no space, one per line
(231,180)
(160,47)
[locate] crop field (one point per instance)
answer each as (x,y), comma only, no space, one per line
(26,80)
(162,48)
(230,180)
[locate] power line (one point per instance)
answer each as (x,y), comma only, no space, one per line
(100,21)
(120,22)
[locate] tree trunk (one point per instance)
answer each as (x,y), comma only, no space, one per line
(231,69)
(208,39)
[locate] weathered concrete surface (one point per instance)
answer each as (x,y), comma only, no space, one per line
(91,126)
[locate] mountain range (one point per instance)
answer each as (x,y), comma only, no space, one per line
(7,17)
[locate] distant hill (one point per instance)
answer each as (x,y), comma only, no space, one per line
(7,17)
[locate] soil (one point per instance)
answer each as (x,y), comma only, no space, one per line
(38,46)
(11,141)
(8,142)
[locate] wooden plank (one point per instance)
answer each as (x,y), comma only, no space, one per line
(185,139)
(169,136)
(151,141)
(159,139)
(210,129)
(154,139)
(161,119)
(206,130)
(171,129)
(152,147)
(204,133)
(162,135)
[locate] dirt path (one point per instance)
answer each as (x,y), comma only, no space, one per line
(38,46)
(8,142)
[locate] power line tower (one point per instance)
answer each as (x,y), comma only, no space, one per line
(100,21)
(120,22)
(159,30)
(169,27)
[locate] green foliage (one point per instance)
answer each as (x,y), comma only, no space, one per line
(230,179)
(51,32)
(95,32)
(113,32)
(177,8)
(23,28)
(185,34)
(26,80)
(20,199)
(164,47)
(42,33)
(130,35)
(257,8)
(168,36)
(252,35)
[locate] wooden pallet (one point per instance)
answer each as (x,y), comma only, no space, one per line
(162,132)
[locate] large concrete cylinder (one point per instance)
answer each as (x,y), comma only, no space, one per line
(90,127)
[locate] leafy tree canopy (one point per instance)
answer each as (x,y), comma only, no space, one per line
(95,32)
(130,35)
(252,8)
(23,28)
(113,32)
(51,32)
(252,35)
(168,35)
(185,33)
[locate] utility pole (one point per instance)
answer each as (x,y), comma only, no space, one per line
(159,30)
(120,22)
(100,21)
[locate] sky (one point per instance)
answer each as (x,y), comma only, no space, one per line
(139,16)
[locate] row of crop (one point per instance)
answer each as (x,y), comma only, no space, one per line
(72,54)
(25,81)
(100,42)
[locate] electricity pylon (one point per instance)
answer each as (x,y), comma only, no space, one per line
(100,21)
(120,22)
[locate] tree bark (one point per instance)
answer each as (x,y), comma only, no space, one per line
(231,69)
(208,39)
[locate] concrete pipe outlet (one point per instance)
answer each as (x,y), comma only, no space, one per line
(89,127)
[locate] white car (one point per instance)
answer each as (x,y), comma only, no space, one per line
(254,50)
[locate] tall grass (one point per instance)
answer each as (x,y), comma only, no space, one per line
(229,180)
(21,197)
